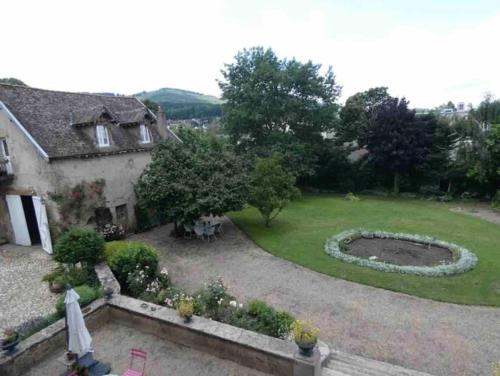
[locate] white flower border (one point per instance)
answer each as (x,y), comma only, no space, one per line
(465,259)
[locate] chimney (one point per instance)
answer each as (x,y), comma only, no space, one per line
(161,123)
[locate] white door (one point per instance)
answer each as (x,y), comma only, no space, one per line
(18,220)
(43,224)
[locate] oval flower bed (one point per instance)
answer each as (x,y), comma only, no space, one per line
(463,259)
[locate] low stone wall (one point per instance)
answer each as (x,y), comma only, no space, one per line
(253,350)
(49,340)
(107,278)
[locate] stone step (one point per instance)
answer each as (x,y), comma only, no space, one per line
(331,372)
(354,365)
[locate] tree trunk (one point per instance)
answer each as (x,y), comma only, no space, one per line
(397,181)
(449,186)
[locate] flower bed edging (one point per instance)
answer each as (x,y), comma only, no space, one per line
(465,260)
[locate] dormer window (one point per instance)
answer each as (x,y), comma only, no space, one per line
(102,136)
(145,134)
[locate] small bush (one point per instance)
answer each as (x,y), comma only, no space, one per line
(269,321)
(111,232)
(431,190)
(126,257)
(351,197)
(214,294)
(87,295)
(30,327)
(72,275)
(79,245)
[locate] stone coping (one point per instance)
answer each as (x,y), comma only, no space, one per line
(266,354)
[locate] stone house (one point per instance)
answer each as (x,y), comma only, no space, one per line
(70,155)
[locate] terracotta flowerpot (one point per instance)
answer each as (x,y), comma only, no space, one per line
(56,287)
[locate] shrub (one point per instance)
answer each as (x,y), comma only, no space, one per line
(79,245)
(126,257)
(351,197)
(87,295)
(214,294)
(72,275)
(111,232)
(139,283)
(431,190)
(268,320)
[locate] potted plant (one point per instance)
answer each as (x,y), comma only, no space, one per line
(56,280)
(305,336)
(9,341)
(185,310)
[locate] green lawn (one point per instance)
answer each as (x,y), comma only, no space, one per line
(300,231)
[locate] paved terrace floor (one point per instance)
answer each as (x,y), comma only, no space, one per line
(438,338)
(113,341)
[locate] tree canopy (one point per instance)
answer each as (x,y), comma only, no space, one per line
(278,105)
(200,176)
(398,141)
(271,187)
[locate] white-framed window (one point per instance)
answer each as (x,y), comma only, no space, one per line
(102,136)
(145,134)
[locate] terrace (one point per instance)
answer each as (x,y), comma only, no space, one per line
(203,347)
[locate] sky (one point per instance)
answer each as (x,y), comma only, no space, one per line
(429,51)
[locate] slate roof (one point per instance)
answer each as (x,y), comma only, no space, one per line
(56,120)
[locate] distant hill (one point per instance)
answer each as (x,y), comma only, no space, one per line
(184,104)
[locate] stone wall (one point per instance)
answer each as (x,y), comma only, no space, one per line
(49,340)
(253,350)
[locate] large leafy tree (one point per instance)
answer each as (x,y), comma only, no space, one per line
(271,187)
(278,105)
(359,113)
(398,141)
(200,176)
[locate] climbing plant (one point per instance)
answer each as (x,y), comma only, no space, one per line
(78,203)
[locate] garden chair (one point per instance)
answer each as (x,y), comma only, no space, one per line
(137,360)
(218,229)
(210,232)
(199,231)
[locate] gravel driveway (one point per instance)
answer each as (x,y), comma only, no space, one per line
(23,296)
(438,338)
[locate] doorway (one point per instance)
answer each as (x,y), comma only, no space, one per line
(31,221)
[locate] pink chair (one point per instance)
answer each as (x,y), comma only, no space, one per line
(137,359)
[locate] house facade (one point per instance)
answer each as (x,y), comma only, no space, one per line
(70,157)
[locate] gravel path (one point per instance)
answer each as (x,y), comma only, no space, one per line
(439,338)
(23,296)
(480,211)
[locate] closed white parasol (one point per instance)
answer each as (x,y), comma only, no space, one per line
(79,340)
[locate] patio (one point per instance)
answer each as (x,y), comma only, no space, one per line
(113,341)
